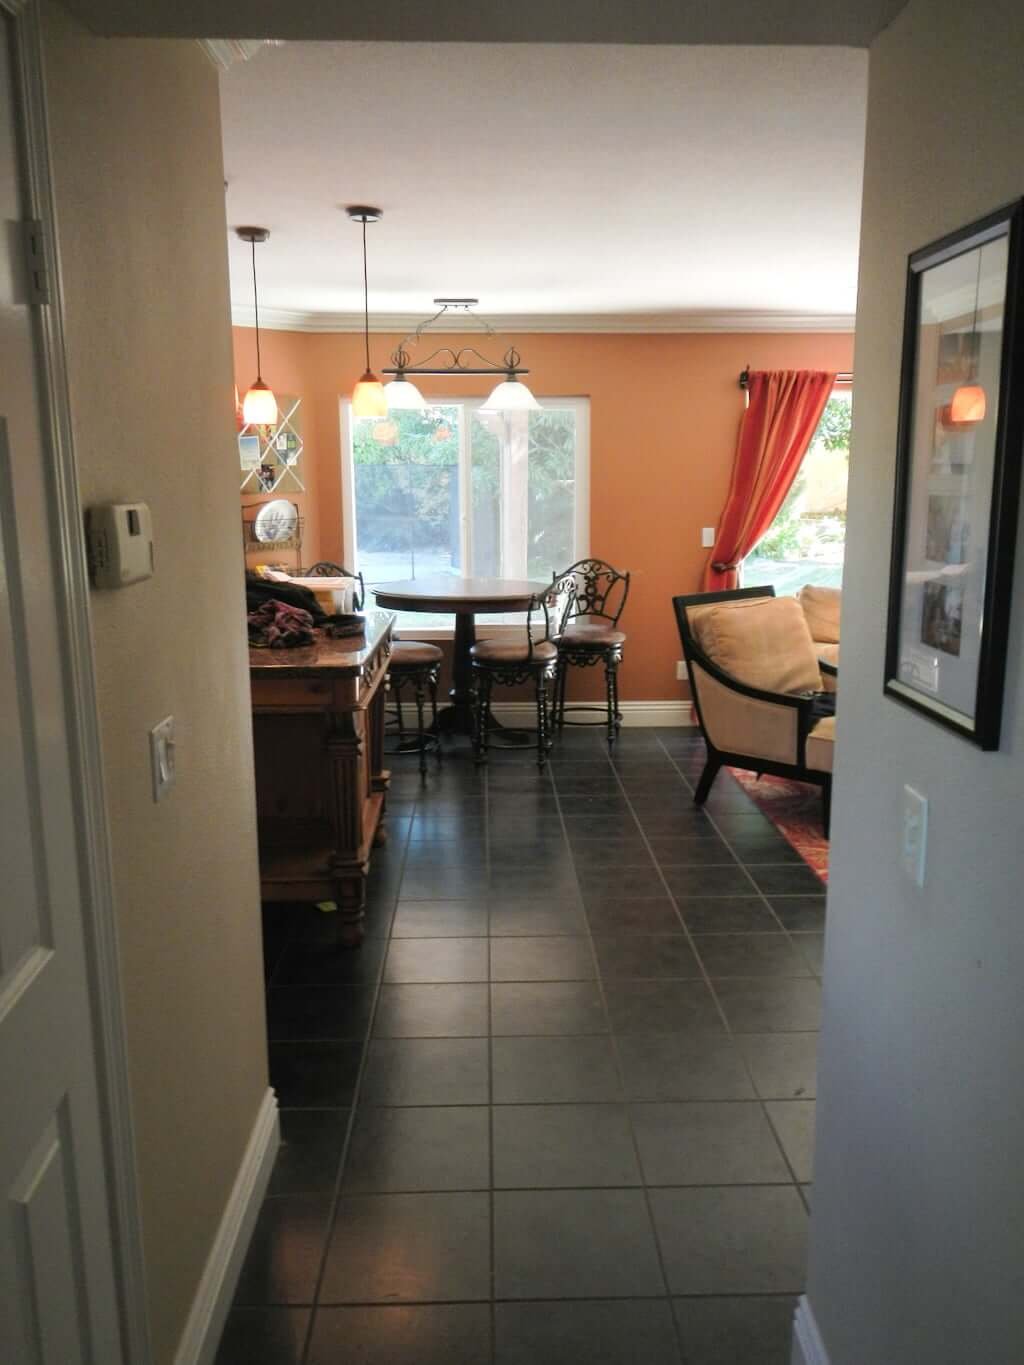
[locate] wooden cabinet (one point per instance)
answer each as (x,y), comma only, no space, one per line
(321,785)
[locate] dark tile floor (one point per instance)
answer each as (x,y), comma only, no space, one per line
(560,1105)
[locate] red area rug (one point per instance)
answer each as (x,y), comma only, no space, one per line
(794,808)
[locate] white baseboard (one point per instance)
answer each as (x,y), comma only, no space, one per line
(202,1333)
(634,713)
(808,1347)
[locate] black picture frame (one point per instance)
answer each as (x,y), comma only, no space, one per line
(937,610)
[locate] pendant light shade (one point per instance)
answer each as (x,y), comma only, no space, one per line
(259,406)
(404,396)
(511,395)
(368,397)
(968,404)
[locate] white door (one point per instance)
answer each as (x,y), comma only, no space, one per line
(58,1302)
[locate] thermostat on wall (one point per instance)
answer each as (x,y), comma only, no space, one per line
(120,540)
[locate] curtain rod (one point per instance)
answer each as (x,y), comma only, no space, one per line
(844,377)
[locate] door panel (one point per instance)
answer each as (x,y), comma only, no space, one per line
(56,1264)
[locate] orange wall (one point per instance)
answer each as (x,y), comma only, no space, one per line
(664,411)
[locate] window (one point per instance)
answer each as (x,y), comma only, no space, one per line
(452,490)
(806,541)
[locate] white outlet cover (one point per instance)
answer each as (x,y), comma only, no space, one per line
(915,834)
(707,537)
(162,757)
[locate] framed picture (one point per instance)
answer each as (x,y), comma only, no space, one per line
(958,473)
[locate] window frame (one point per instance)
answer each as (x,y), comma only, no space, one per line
(579,404)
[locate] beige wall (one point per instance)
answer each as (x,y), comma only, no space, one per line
(918,1202)
(139,183)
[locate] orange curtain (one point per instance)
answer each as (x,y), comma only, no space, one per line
(784,410)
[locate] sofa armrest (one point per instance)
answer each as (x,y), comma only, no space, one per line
(741,720)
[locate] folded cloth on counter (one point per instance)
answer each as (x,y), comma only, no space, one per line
(280,626)
(323,588)
(259,590)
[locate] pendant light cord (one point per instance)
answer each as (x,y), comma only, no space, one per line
(975,348)
(256,308)
(366,301)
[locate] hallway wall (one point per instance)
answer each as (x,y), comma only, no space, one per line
(918,1203)
(135,131)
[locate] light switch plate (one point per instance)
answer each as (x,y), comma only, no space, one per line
(707,537)
(162,757)
(915,834)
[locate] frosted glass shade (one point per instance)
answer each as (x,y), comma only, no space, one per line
(511,396)
(968,404)
(259,406)
(368,398)
(403,395)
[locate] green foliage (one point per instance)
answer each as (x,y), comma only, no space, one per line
(835,425)
(407,490)
(793,534)
(404,490)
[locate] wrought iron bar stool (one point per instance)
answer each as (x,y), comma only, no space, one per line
(523,658)
(416,664)
(591,636)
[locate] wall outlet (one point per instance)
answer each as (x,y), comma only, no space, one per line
(915,834)
(680,671)
(162,757)
(707,537)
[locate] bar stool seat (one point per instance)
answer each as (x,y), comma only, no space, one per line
(417,664)
(584,635)
(413,654)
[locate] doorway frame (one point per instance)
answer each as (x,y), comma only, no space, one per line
(64,514)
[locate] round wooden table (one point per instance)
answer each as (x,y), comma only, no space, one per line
(464,597)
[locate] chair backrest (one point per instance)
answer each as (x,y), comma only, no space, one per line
(598,590)
(324,568)
(552,608)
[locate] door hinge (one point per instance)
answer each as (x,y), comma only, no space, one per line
(37,277)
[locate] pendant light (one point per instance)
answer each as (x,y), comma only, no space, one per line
(511,395)
(368,397)
(400,392)
(968,405)
(259,406)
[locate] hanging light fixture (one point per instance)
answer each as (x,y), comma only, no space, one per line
(969,402)
(368,397)
(259,406)
(510,395)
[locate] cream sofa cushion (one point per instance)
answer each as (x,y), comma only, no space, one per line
(761,641)
(821,607)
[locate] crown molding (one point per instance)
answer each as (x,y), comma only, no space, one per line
(723,320)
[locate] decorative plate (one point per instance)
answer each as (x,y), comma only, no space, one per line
(277,520)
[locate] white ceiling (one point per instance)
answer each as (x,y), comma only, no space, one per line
(644,186)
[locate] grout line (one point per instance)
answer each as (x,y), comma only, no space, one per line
(623,1092)
(763,1103)
(492,1312)
(353,1110)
